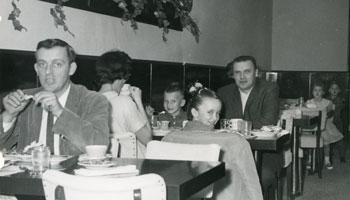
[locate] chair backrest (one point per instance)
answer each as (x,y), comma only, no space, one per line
(127,145)
(178,151)
(59,185)
(323,116)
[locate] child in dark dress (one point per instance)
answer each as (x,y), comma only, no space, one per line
(339,103)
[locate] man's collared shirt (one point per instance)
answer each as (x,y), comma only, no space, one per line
(244,98)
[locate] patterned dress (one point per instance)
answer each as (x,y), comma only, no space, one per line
(331,134)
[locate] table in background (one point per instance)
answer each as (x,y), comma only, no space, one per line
(271,144)
(181,179)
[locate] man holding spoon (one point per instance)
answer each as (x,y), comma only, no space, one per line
(60,114)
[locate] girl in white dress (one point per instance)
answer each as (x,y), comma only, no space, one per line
(331,134)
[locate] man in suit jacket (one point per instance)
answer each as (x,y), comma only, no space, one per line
(80,116)
(253,100)
(249,98)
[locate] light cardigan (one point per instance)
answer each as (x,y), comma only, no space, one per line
(241,180)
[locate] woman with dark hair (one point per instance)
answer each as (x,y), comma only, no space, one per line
(113,69)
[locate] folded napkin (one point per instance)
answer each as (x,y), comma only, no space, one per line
(121,170)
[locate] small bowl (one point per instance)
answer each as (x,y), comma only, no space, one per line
(96,151)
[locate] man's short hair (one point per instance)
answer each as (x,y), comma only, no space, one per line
(229,67)
(51,43)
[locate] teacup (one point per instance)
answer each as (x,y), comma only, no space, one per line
(164,125)
(230,124)
(96,151)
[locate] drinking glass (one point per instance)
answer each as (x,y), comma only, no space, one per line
(40,158)
(245,127)
(154,121)
(164,125)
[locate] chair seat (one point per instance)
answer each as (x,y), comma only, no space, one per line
(309,141)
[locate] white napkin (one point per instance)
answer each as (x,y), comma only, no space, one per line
(121,170)
(283,132)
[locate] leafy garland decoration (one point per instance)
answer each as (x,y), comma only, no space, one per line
(182,10)
(59,16)
(13,17)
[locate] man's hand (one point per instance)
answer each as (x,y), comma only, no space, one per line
(49,102)
(14,103)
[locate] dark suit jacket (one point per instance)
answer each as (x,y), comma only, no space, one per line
(262,107)
(84,121)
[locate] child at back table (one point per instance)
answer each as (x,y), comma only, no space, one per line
(331,134)
(172,103)
(339,103)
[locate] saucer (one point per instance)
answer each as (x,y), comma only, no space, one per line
(160,132)
(96,164)
(86,157)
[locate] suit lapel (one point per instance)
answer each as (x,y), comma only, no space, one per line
(73,99)
(72,105)
(252,96)
(237,100)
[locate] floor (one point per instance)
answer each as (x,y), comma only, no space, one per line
(334,185)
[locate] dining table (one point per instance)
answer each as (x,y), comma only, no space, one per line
(274,143)
(182,178)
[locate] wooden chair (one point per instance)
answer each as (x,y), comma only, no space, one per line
(311,139)
(300,124)
(179,151)
(285,176)
(61,186)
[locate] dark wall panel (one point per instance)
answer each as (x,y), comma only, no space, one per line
(162,75)
(140,78)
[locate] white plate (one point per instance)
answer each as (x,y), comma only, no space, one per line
(19,157)
(97,166)
(160,132)
(264,134)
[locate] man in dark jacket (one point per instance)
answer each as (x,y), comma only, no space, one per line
(253,100)
(249,98)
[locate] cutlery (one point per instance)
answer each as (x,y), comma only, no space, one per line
(27,97)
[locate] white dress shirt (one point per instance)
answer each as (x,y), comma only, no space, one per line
(244,98)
